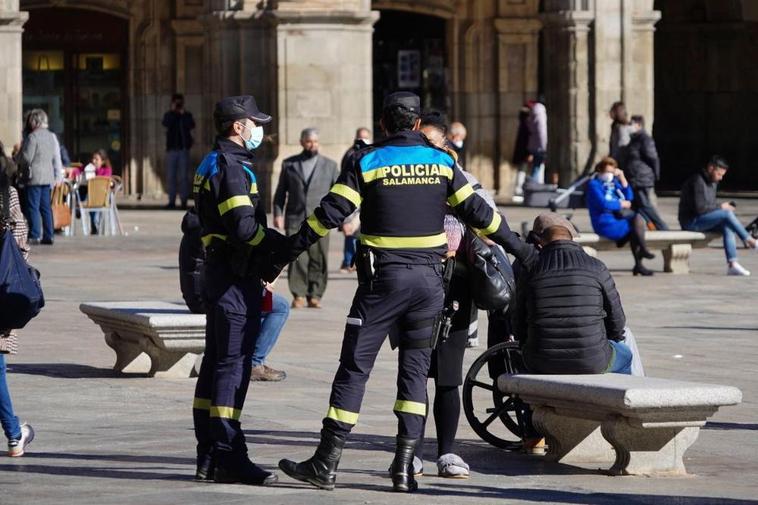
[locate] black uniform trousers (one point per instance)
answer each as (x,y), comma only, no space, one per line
(410,296)
(232,327)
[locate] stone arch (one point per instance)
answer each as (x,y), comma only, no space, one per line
(440,8)
(119,8)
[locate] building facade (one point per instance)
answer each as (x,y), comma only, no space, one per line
(105,70)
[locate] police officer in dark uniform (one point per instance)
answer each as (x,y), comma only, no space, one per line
(237,245)
(403,186)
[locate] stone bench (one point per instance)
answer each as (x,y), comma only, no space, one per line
(157,338)
(675,245)
(633,425)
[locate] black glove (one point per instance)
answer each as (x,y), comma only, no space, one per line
(273,260)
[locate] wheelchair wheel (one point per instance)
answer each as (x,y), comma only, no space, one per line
(480,392)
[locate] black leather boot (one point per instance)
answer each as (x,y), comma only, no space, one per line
(321,469)
(206,467)
(238,469)
(402,466)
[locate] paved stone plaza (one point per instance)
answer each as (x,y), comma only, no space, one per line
(104,438)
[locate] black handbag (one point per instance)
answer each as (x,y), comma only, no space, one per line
(21,297)
(490,275)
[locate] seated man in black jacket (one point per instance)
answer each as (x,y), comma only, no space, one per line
(700,211)
(567,314)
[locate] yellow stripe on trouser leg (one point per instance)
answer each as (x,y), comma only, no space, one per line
(342,416)
(316,226)
(410,407)
(226,413)
(494,225)
(201,404)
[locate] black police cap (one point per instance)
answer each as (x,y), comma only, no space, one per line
(405,99)
(239,107)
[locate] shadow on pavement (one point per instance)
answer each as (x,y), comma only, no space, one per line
(483,458)
(556,496)
(69,371)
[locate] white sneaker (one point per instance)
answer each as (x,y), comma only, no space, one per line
(16,447)
(737,269)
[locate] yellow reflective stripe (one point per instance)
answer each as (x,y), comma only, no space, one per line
(348,193)
(404,242)
(207,239)
(342,416)
(201,404)
(226,413)
(494,224)
(371,175)
(461,195)
(233,202)
(410,407)
(207,184)
(447,172)
(259,236)
(253,189)
(316,226)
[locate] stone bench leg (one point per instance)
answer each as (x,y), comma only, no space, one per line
(178,365)
(648,450)
(144,357)
(130,357)
(572,440)
(676,258)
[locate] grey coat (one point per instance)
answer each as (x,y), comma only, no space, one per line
(40,158)
(296,198)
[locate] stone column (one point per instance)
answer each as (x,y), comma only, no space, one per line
(324,79)
(639,93)
(517,82)
(11,104)
(567,88)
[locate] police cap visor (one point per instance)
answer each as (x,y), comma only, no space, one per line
(405,99)
(240,107)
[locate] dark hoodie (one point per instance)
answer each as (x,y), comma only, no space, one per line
(191,260)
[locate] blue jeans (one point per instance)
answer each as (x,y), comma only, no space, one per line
(348,251)
(271,325)
(177,163)
(8,419)
(725,222)
(39,212)
(622,358)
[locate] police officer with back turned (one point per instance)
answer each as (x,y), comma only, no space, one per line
(403,186)
(237,245)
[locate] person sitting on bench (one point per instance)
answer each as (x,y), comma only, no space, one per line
(567,314)
(609,200)
(699,211)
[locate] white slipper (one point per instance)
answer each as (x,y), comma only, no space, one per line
(451,466)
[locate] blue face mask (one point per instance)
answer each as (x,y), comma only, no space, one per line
(256,137)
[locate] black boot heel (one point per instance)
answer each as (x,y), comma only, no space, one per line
(403,480)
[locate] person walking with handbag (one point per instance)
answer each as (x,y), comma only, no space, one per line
(11,217)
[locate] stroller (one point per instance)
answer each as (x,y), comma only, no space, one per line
(553,197)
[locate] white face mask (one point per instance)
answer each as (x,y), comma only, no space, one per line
(606,176)
(458,143)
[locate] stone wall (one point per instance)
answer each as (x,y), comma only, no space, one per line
(11,22)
